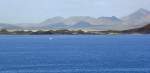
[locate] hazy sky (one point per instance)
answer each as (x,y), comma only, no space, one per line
(25,11)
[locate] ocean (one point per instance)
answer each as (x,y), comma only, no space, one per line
(75,54)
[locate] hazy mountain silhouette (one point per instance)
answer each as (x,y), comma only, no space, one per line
(135,20)
(138,18)
(8,26)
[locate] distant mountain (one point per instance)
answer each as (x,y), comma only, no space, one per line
(51,21)
(144,30)
(135,20)
(8,26)
(138,18)
(81,22)
(109,20)
(76,19)
(56,26)
(81,25)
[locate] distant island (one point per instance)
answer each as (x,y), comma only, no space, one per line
(137,22)
(142,30)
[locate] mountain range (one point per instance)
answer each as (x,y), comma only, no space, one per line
(137,19)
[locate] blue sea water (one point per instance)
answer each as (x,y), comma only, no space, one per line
(75,54)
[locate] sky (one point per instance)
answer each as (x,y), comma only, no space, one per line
(35,11)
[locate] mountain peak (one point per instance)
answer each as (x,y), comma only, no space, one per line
(80,17)
(142,11)
(58,17)
(113,18)
(53,20)
(139,14)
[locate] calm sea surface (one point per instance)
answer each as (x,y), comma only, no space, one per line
(75,54)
